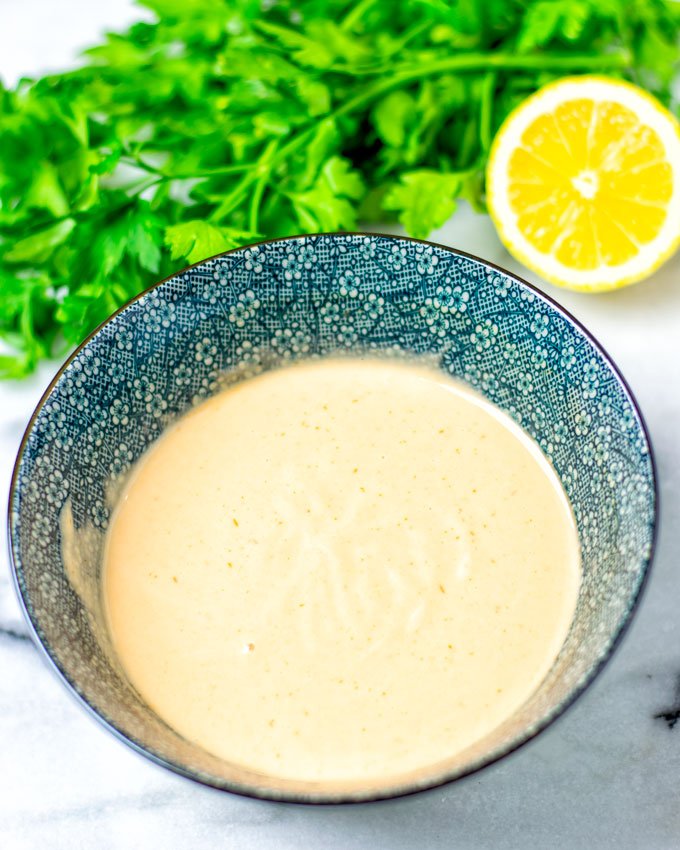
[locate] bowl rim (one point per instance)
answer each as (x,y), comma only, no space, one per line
(389,791)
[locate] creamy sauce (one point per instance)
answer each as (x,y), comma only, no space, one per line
(341,570)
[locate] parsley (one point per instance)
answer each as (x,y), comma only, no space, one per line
(226,121)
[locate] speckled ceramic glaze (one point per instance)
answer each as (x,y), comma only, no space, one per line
(253,308)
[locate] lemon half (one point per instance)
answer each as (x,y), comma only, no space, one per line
(583,183)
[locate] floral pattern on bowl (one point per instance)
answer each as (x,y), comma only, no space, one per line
(253,308)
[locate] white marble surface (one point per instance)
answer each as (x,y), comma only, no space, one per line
(605,775)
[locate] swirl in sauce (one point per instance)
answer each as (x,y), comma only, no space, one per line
(340,570)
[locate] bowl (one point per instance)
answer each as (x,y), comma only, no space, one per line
(245,311)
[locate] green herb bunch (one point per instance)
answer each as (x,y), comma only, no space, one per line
(221,122)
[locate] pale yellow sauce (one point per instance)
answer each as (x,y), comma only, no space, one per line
(341,570)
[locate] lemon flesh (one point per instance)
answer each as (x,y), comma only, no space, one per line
(583,183)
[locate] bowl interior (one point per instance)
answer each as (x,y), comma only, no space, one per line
(251,309)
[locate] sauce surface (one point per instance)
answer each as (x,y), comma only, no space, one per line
(340,570)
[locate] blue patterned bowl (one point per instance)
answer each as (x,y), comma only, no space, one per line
(247,310)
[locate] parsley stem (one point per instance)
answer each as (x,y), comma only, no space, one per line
(461,63)
(255,201)
(356,14)
(486,110)
(234,197)
(217,171)
(136,161)
(260,186)
(465,62)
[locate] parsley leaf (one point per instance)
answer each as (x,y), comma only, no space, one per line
(135,233)
(425,200)
(195,240)
(326,205)
(38,247)
(391,117)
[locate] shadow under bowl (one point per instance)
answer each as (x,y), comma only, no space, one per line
(237,315)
